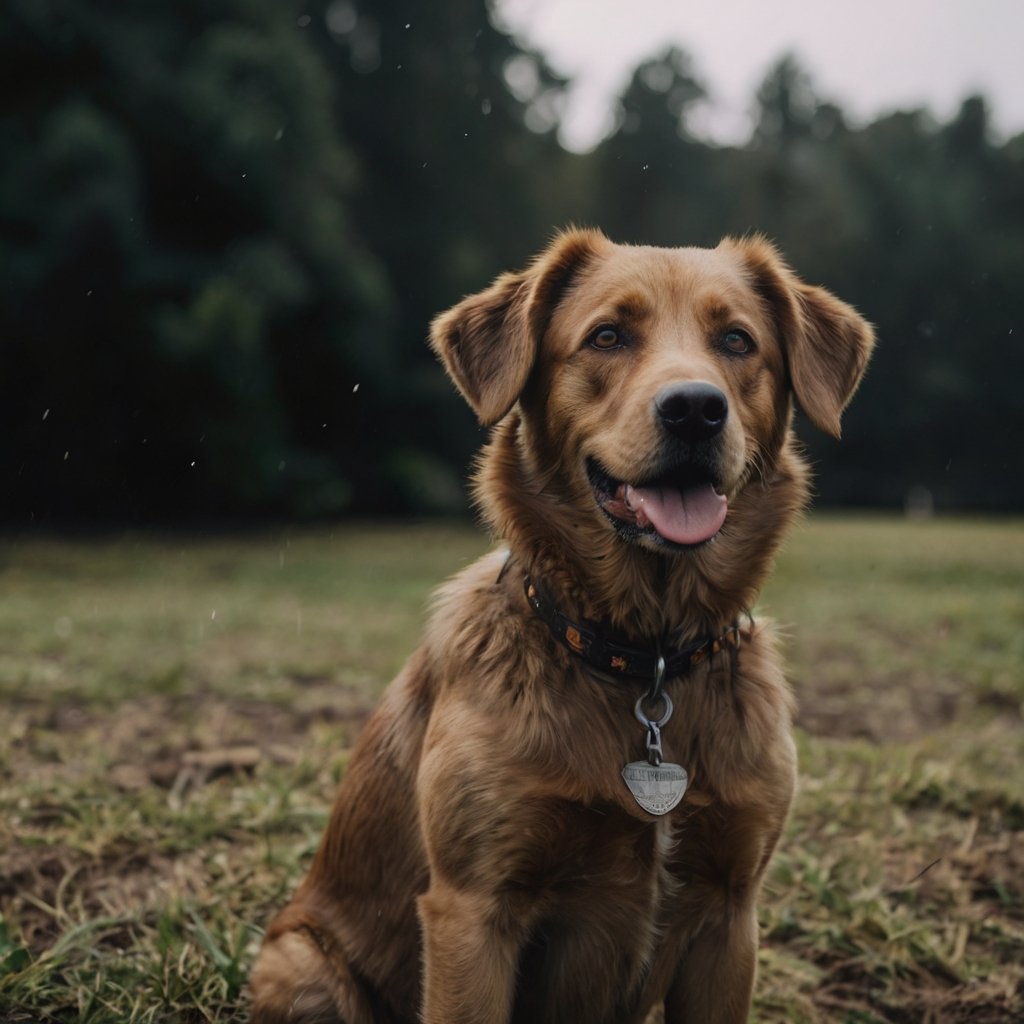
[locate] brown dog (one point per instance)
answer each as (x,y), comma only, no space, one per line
(564,806)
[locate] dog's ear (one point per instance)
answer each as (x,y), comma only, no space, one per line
(827,342)
(488,342)
(827,355)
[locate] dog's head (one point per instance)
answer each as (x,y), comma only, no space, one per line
(654,384)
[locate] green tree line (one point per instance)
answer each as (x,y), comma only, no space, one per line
(226,224)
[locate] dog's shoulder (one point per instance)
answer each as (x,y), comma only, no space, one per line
(476,590)
(477,618)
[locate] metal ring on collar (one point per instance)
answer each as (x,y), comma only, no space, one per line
(643,719)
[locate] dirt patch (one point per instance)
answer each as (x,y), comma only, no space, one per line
(850,700)
(854,995)
(149,739)
(879,710)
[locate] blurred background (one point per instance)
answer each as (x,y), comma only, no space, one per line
(226,224)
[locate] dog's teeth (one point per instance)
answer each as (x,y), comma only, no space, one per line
(635,504)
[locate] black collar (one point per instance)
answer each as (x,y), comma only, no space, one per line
(593,646)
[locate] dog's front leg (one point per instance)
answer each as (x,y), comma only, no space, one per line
(715,979)
(469,959)
(474,921)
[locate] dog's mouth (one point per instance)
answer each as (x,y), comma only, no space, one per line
(679,508)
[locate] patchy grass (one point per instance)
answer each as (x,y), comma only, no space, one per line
(178,712)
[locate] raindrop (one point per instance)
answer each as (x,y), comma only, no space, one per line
(356,388)
(47,413)
(304,20)
(66,454)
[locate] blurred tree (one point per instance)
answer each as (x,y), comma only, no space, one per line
(787,107)
(229,224)
(936,273)
(454,124)
(652,175)
(174,217)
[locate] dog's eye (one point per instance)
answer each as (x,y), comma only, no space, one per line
(605,337)
(738,342)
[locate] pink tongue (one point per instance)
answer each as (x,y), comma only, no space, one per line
(689,517)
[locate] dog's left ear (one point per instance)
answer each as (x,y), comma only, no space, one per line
(826,341)
(489,341)
(827,354)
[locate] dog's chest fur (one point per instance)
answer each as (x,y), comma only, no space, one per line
(535,797)
(606,907)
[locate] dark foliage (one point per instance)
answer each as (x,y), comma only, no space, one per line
(225,225)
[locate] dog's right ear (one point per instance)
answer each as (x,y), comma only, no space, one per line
(489,341)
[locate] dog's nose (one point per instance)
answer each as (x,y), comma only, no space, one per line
(694,411)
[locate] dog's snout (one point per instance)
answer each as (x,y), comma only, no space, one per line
(694,411)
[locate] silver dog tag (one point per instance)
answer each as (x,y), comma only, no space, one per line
(656,788)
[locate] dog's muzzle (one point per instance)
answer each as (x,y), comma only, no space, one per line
(679,505)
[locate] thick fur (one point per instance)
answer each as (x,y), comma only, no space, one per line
(485,861)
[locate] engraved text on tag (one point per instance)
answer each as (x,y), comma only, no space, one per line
(657,788)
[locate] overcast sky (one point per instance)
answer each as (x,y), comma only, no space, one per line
(869,56)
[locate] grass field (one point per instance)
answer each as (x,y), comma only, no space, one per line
(176,714)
